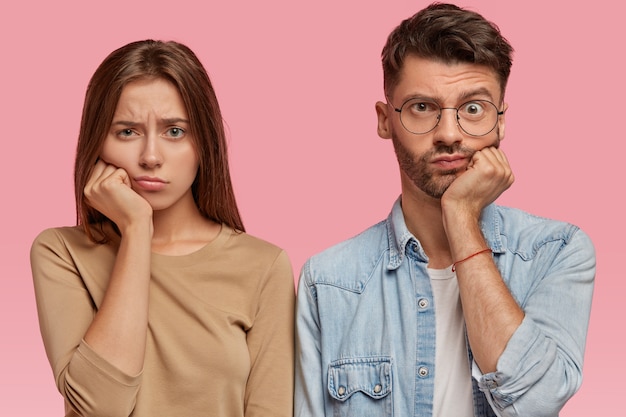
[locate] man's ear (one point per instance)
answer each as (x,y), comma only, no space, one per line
(502,121)
(384,120)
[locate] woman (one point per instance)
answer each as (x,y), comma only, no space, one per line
(158,303)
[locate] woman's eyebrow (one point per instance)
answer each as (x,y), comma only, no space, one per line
(174,120)
(165,121)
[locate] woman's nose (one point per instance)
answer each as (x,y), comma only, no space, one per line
(151,156)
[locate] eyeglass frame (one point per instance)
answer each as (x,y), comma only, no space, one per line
(399,110)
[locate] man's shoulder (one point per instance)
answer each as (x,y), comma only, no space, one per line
(351,261)
(519,225)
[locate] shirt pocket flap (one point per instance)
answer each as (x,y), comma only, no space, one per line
(371,376)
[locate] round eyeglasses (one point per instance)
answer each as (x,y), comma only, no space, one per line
(475,117)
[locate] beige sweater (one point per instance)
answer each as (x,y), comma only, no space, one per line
(220,329)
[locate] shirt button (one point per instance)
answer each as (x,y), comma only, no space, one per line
(422,303)
(377,389)
(422,371)
(341,391)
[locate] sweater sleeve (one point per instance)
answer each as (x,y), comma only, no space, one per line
(269,391)
(89,384)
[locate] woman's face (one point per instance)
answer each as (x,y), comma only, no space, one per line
(150,139)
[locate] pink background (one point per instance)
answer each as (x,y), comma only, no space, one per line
(297,82)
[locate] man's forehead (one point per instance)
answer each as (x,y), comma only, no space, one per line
(436,78)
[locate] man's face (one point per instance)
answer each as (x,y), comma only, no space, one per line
(430,162)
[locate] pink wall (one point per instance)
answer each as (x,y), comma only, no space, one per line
(297,82)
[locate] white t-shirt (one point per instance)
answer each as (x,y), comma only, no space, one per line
(453,384)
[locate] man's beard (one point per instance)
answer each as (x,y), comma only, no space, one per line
(419,170)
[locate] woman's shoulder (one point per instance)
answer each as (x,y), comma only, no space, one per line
(59,235)
(64,238)
(252,246)
(54,244)
(245,239)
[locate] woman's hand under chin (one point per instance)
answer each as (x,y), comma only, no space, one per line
(109,191)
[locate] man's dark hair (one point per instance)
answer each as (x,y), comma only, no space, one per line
(449,34)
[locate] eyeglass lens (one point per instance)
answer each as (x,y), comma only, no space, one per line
(476,117)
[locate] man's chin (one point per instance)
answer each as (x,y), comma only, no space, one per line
(435,189)
(454,172)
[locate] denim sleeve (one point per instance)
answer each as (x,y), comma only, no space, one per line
(541,366)
(309,394)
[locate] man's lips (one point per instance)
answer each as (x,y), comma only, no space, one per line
(451,161)
(150,183)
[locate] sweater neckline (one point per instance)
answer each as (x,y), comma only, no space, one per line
(203,253)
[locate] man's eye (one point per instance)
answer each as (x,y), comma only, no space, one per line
(423,107)
(472,108)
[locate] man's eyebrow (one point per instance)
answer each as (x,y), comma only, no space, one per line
(465,96)
(477,92)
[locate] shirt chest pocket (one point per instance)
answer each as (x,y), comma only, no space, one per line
(361,387)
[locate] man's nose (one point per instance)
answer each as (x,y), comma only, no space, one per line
(448,130)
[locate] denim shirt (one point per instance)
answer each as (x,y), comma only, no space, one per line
(365,321)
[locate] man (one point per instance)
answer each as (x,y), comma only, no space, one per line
(453,306)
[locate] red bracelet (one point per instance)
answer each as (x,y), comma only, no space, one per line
(471,256)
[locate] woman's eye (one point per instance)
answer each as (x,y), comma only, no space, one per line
(125,133)
(175,132)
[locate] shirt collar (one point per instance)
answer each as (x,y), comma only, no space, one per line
(399,236)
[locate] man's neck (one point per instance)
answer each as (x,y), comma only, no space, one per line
(422,215)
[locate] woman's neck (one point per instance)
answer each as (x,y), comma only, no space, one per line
(181,229)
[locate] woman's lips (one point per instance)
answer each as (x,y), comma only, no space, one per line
(150,183)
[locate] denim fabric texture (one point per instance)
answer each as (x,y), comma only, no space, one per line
(365,321)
